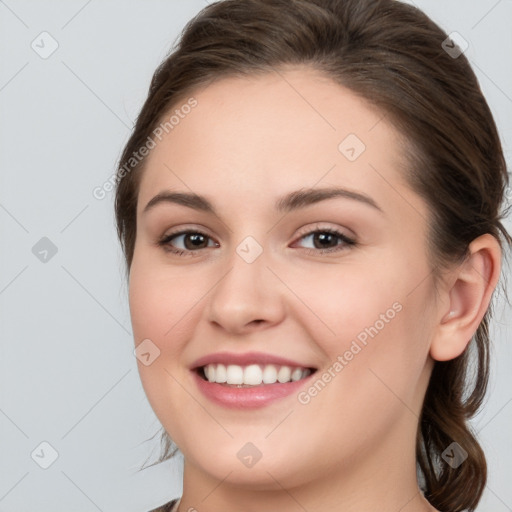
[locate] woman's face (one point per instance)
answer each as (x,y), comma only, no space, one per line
(274,272)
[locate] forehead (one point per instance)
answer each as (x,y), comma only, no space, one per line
(273,132)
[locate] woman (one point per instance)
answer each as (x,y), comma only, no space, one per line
(309,206)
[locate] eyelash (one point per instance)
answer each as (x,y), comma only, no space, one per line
(347,242)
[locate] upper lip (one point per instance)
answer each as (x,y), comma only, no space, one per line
(244,359)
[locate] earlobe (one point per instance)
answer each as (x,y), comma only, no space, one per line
(468,298)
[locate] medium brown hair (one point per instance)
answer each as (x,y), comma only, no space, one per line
(390,54)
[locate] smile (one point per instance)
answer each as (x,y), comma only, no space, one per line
(250,387)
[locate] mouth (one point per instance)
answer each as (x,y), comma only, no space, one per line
(252,375)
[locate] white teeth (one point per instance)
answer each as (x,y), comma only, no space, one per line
(235,374)
(269,374)
(210,372)
(221,374)
(253,374)
(284,374)
(296,374)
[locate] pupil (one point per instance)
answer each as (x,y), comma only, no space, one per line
(324,238)
(196,241)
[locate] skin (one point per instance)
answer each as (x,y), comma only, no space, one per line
(248,142)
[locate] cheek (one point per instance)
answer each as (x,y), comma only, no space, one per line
(164,307)
(161,302)
(368,320)
(342,304)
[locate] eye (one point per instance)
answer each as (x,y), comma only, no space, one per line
(189,242)
(186,242)
(325,240)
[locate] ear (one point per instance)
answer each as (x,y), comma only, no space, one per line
(466,299)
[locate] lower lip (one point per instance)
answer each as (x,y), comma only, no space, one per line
(248,398)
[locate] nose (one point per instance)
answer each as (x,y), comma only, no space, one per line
(247,298)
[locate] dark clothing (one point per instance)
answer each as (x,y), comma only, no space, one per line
(167,507)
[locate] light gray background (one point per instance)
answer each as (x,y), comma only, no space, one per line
(67,371)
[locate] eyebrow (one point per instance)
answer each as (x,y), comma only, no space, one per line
(292,201)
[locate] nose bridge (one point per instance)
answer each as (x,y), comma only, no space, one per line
(244,276)
(246,292)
